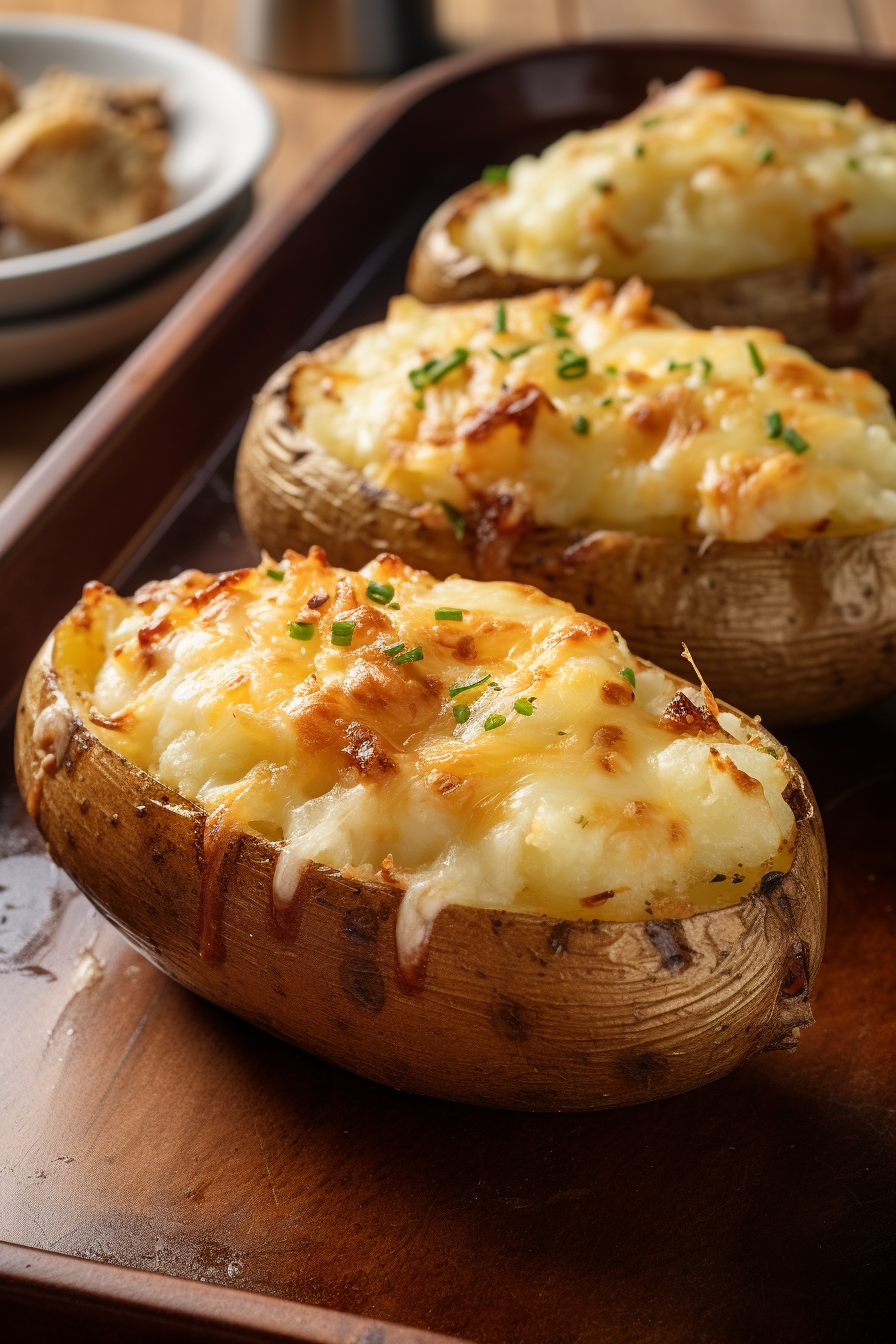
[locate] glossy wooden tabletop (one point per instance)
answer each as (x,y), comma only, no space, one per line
(314,112)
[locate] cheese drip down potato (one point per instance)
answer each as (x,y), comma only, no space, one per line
(600,410)
(594,444)
(728,199)
(430,748)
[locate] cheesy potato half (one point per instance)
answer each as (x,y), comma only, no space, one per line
(702,181)
(581,408)
(470,743)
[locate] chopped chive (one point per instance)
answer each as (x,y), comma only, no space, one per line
(651,121)
(854,165)
(610,369)
(494,721)
(629,676)
(468,686)
(795,442)
(765,155)
(300,630)
(394,606)
(558,322)
(382,593)
(409,656)
(679,364)
(572,365)
(449,614)
(774,425)
(511,354)
(706,365)
(392,650)
(607,401)
(580,425)
(455,518)
(603,184)
(523,707)
(640,151)
(495,172)
(739,129)
(500,323)
(461,713)
(278,574)
(420,403)
(755,358)
(769,751)
(434,369)
(341,634)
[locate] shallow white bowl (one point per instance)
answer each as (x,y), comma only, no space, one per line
(223,130)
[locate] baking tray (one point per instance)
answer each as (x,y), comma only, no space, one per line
(144,1129)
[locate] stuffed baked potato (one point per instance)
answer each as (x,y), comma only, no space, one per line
(739,208)
(452,836)
(716,487)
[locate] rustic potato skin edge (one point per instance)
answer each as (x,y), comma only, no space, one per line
(518,1011)
(793,299)
(795,631)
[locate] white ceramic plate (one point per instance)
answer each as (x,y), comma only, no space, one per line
(37,347)
(223,130)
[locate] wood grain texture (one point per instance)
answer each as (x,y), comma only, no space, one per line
(521,1011)
(779,627)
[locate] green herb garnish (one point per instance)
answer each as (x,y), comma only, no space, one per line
(341,634)
(607,401)
(409,656)
(495,172)
(769,751)
(572,365)
(278,574)
(774,425)
(603,184)
(706,365)
(682,364)
(755,358)
(500,322)
(558,322)
(523,707)
(392,650)
(651,121)
(739,129)
(611,369)
(449,614)
(468,686)
(853,164)
(640,151)
(765,155)
(420,403)
(580,425)
(394,606)
(461,713)
(494,721)
(434,369)
(511,354)
(300,630)
(382,593)
(455,518)
(629,676)
(795,442)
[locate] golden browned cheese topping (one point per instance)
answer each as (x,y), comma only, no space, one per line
(703,180)
(586,409)
(472,743)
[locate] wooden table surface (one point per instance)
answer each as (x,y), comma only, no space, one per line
(314,112)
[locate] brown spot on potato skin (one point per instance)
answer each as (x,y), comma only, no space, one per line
(667,937)
(362,983)
(558,937)
(647,1069)
(681,715)
(797,801)
(616,693)
(511,1020)
(795,978)
(361,925)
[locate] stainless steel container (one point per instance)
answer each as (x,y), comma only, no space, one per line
(338,37)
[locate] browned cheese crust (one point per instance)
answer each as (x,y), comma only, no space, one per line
(841,308)
(516,1010)
(797,631)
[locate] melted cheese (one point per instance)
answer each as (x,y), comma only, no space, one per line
(657,429)
(592,805)
(701,181)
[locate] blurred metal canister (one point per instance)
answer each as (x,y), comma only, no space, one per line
(338,37)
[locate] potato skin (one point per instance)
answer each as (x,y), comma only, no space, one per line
(796,631)
(794,299)
(517,1011)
